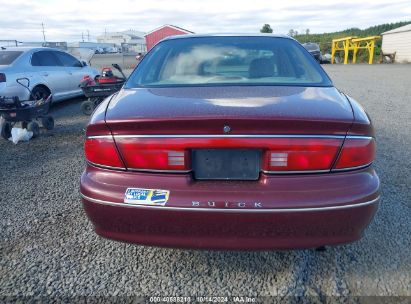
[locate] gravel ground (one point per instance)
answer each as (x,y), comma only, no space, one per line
(48,247)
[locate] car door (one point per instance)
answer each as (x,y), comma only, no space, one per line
(75,70)
(51,72)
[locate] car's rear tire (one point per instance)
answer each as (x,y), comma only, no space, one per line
(96,101)
(87,107)
(47,122)
(34,127)
(40,92)
(6,130)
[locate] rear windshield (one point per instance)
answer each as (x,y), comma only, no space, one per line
(312,47)
(7,57)
(211,61)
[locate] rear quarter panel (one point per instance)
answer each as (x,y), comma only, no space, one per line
(362,124)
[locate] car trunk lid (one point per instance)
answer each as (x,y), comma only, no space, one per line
(244,109)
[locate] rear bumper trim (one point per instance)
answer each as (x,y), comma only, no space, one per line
(220,136)
(195,209)
(294,172)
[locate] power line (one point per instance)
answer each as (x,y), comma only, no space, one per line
(44,35)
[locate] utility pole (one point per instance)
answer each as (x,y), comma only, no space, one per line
(82,36)
(44,35)
(88,35)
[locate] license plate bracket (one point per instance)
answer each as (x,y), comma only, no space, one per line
(226,164)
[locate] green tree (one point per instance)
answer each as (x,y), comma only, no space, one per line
(291,33)
(307,31)
(324,39)
(266,28)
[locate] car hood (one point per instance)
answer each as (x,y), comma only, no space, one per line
(285,109)
(82,54)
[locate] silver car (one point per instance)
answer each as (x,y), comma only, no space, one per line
(49,70)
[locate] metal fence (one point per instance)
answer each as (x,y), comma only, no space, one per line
(126,61)
(8,43)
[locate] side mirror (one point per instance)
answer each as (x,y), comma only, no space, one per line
(84,63)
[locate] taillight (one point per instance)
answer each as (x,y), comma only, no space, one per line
(356,152)
(280,154)
(102,151)
(301,154)
(2,77)
(140,157)
(154,159)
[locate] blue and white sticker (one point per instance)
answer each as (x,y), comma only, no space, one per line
(151,197)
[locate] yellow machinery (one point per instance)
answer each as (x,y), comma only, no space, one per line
(367,43)
(353,43)
(341,44)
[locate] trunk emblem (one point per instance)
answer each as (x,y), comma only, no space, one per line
(226,129)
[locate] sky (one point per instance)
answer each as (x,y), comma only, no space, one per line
(67,20)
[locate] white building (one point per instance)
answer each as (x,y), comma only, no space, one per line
(399,41)
(128,40)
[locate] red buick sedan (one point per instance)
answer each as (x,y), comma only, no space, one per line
(230,142)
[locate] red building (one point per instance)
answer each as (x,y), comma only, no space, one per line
(153,37)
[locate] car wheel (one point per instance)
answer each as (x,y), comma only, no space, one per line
(96,101)
(6,130)
(39,93)
(47,122)
(87,107)
(34,127)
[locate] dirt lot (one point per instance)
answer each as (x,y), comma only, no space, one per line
(48,248)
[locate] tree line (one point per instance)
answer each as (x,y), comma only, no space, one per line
(324,39)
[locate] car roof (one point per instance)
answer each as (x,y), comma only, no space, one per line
(187,36)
